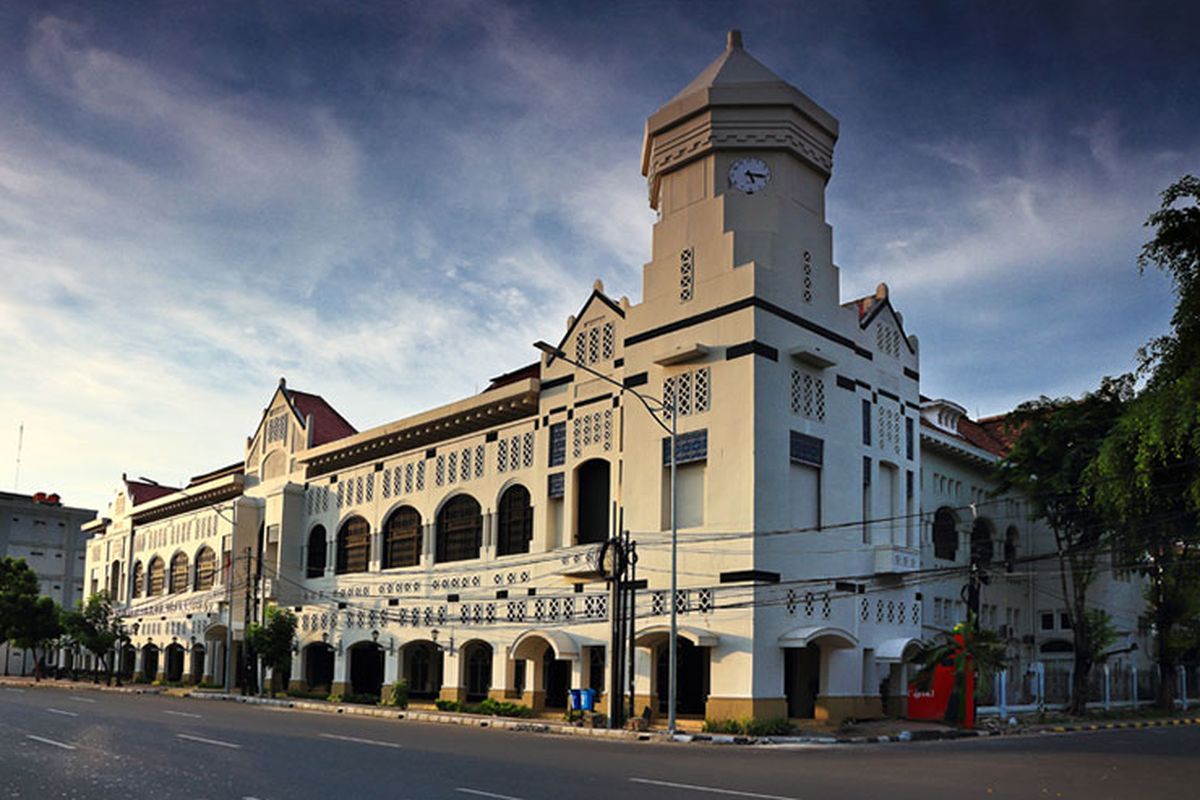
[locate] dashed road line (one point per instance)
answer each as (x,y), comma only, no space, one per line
(203,740)
(358,740)
(182,714)
(61,712)
(15,691)
(44,740)
(709,789)
(81,699)
(481,793)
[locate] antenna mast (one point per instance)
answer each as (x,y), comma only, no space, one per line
(20,442)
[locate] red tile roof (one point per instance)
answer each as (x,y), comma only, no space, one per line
(987,436)
(528,371)
(141,492)
(328,424)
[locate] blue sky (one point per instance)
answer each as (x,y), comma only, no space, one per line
(387,202)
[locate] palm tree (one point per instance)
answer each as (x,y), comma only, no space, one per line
(972,651)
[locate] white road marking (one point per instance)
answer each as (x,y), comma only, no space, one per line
(60,711)
(50,741)
(182,714)
(81,699)
(481,793)
(711,789)
(18,691)
(360,741)
(202,740)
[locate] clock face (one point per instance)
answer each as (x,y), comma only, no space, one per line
(749,175)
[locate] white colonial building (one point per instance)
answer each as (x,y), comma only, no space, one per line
(457,549)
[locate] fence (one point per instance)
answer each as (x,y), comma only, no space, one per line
(1046,685)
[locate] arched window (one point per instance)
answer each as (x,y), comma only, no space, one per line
(139,578)
(158,576)
(592,487)
(981,541)
(353,546)
(402,538)
(945,534)
(315,561)
(459,529)
(1010,545)
(179,573)
(206,569)
(516,522)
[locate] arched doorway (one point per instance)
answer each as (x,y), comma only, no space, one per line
(318,667)
(691,677)
(477,670)
(128,661)
(982,541)
(174,665)
(592,482)
(366,669)
(422,669)
(150,662)
(945,534)
(197,672)
(802,680)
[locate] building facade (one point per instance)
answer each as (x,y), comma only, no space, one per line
(458,549)
(48,535)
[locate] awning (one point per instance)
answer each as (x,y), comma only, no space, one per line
(894,651)
(655,634)
(821,634)
(527,645)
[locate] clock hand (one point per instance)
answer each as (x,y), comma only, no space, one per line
(753,175)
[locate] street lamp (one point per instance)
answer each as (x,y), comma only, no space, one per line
(659,406)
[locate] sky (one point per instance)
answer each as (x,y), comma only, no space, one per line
(388,202)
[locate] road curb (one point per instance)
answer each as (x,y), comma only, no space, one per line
(442,717)
(82,687)
(1110,726)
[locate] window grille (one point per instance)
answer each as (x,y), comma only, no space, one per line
(370,481)
(826,605)
(576,438)
(701,387)
(358,490)
(808,277)
(879,610)
(608,424)
(452,467)
(340,491)
(865,610)
(607,340)
(687,275)
(478,461)
(439,471)
(808,604)
(277,428)
(688,392)
(514,453)
(527,450)
(386,484)
(682,601)
(593,345)
(581,347)
(464,460)
(791,601)
(658,603)
(502,455)
(685,393)
(421,476)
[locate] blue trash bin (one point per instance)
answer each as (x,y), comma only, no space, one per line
(589,699)
(576,699)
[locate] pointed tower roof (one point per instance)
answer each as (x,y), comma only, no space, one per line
(736,90)
(733,67)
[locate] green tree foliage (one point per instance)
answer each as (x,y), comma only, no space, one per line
(1147,473)
(18,590)
(980,649)
(272,642)
(1057,440)
(96,628)
(39,626)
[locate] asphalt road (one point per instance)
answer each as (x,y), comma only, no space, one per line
(61,744)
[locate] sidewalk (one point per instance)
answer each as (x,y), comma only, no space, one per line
(27,682)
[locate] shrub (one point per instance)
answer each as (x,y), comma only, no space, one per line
(300,694)
(396,695)
(748,727)
(360,699)
(488,707)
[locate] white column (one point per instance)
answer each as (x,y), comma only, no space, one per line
(391,666)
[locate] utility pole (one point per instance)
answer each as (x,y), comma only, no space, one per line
(631,668)
(247,663)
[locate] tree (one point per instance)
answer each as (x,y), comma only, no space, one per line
(1147,472)
(272,642)
(18,593)
(96,628)
(39,625)
(970,649)
(1057,440)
